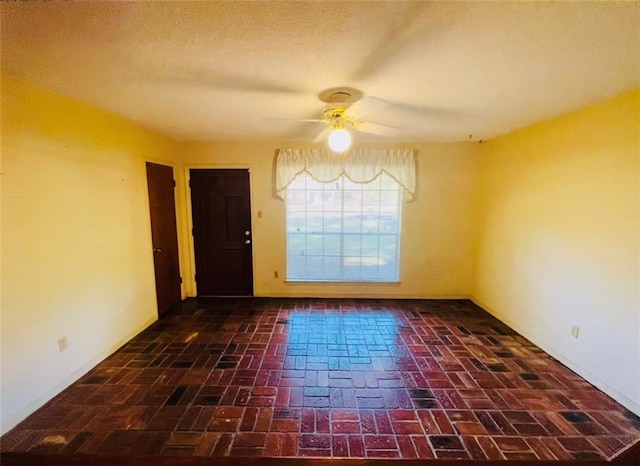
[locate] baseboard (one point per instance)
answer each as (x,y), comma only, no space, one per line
(364,295)
(338,295)
(590,377)
(38,403)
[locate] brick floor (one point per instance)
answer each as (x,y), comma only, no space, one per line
(330,378)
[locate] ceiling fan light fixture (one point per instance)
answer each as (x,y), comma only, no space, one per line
(339,140)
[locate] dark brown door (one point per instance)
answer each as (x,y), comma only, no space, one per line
(164,235)
(222,232)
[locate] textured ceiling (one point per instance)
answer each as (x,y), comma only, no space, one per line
(246,70)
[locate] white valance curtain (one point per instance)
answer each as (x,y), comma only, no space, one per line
(358,165)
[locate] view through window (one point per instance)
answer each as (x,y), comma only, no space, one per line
(343,231)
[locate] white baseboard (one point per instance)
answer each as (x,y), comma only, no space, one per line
(8,424)
(590,377)
(338,295)
(364,295)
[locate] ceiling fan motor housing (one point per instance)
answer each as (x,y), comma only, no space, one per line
(340,96)
(337,118)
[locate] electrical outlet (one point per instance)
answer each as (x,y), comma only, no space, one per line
(63,344)
(275,274)
(575,331)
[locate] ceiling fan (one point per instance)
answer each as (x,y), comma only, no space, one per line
(344,113)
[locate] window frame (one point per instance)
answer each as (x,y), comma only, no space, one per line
(341,234)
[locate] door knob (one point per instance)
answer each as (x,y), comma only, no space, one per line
(247,233)
(247,241)
(157,250)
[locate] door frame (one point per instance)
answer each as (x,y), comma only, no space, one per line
(176,175)
(191,276)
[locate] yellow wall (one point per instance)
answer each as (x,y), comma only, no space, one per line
(77,260)
(437,229)
(559,240)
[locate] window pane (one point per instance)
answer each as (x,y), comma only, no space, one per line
(314,222)
(370,223)
(332,222)
(352,201)
(332,266)
(388,223)
(370,246)
(295,244)
(314,200)
(352,223)
(369,271)
(314,245)
(351,267)
(352,245)
(296,266)
(343,231)
(332,245)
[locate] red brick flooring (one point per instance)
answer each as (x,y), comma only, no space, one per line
(330,378)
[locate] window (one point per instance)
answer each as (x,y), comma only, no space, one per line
(342,231)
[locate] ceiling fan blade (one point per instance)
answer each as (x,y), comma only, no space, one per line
(366,106)
(218,80)
(323,134)
(423,111)
(382,130)
(401,31)
(306,120)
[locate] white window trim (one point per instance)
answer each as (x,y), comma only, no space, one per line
(343,279)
